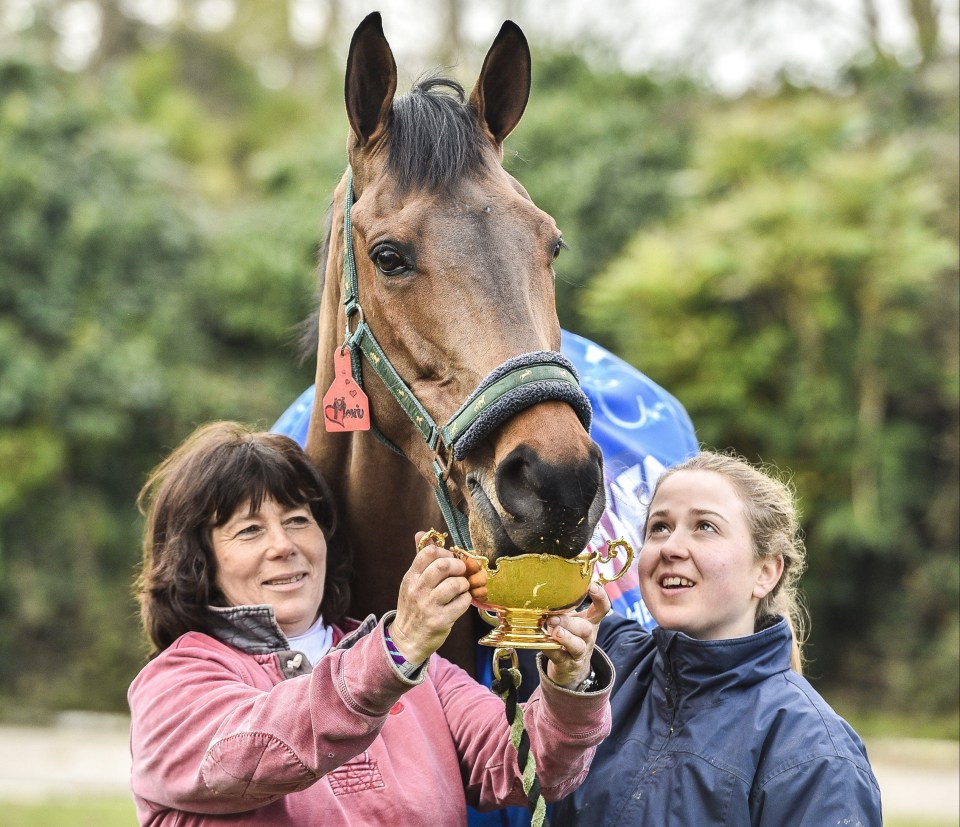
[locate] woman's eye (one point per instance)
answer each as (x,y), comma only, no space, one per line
(707,526)
(389,261)
(298,521)
(657,528)
(248,530)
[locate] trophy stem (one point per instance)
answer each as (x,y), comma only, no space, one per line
(520,629)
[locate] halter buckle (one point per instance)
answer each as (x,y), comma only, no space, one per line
(352,310)
(441,468)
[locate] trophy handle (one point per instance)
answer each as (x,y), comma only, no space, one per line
(437,538)
(491,617)
(611,553)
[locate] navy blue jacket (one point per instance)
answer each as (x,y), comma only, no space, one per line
(719,732)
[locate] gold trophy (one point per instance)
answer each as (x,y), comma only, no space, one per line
(523,591)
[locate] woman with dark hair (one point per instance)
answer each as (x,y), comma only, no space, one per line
(197,489)
(264,704)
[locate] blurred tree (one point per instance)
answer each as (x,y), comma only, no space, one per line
(804,308)
(91,252)
(732,44)
(925,15)
(600,151)
(129,311)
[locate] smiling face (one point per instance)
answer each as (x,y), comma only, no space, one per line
(276,555)
(698,571)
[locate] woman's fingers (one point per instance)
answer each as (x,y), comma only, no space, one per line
(430,555)
(576,632)
(433,594)
(583,624)
(573,634)
(474,572)
(477,578)
(436,578)
(599,606)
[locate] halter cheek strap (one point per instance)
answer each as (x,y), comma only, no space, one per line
(518,383)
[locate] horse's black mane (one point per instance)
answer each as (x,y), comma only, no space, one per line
(435,138)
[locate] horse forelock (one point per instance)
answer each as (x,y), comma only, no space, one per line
(435,137)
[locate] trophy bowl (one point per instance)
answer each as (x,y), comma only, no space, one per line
(524,590)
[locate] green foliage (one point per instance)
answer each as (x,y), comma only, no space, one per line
(599,152)
(785,265)
(90,250)
(214,115)
(130,310)
(803,306)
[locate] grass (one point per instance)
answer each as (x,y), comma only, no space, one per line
(119,812)
(69,812)
(872,722)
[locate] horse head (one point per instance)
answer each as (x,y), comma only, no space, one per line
(454,285)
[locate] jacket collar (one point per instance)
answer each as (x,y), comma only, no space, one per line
(254,629)
(251,629)
(707,667)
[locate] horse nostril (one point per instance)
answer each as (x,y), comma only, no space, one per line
(513,484)
(531,489)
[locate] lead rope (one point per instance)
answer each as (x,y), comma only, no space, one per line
(505,683)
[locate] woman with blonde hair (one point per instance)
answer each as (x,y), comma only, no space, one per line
(713,724)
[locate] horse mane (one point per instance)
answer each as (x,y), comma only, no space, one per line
(435,139)
(306,332)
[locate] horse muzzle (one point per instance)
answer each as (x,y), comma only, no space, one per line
(529,503)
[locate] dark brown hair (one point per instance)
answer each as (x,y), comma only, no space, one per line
(199,486)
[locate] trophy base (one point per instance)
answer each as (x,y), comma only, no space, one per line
(517,630)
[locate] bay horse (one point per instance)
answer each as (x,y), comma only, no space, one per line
(437,300)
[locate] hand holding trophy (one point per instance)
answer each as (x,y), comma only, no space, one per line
(521,593)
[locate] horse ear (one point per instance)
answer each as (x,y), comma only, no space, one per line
(503,87)
(371,79)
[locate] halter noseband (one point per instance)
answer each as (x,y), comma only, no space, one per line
(518,383)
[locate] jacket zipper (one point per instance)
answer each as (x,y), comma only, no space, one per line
(670,692)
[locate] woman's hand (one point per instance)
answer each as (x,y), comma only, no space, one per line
(576,632)
(434,592)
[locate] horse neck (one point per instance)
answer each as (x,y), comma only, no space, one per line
(331,452)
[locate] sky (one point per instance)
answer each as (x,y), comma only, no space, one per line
(815,38)
(811,39)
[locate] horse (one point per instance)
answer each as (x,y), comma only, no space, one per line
(437,305)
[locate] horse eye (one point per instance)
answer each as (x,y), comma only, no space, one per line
(556,250)
(389,261)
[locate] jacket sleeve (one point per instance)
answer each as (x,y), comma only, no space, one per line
(823,790)
(564,729)
(208,736)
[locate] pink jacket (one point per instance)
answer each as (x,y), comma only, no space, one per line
(254,736)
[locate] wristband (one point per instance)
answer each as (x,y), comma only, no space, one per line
(403,666)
